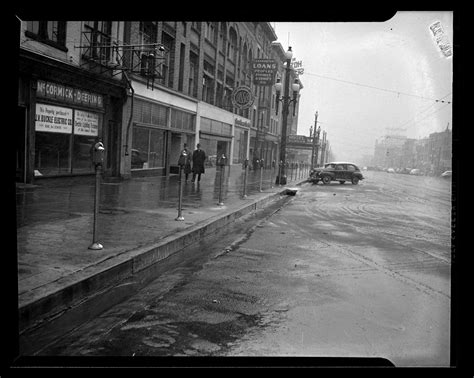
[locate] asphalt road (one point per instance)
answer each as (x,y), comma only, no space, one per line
(339,271)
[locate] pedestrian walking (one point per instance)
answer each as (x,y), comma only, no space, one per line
(187,164)
(199,156)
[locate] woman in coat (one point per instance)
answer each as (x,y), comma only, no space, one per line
(199,156)
(187,164)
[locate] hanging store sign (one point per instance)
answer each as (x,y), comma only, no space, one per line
(299,141)
(240,122)
(64,93)
(263,71)
(242,97)
(86,123)
(53,119)
(297,66)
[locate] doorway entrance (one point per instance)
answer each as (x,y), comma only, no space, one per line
(20,147)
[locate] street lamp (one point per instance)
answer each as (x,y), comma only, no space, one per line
(286,100)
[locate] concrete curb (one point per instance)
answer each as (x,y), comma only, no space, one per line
(49,313)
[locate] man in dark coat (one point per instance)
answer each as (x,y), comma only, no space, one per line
(199,156)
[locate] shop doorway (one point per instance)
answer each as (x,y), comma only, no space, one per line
(111,145)
(20,147)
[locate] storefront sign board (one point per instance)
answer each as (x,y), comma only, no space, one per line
(86,123)
(53,119)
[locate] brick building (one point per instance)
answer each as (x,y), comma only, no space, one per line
(145,88)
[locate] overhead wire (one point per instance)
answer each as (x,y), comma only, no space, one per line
(377,88)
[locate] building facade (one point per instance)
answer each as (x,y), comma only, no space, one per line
(145,88)
(65,102)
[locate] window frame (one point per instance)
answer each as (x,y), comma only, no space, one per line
(43,36)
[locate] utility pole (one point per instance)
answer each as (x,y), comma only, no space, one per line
(314,138)
(318,132)
(323,149)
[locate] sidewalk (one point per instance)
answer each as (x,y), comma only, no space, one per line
(136,225)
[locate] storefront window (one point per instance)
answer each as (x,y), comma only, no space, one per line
(240,145)
(148,148)
(63,140)
(140,148)
(210,147)
(52,155)
(82,154)
(157,148)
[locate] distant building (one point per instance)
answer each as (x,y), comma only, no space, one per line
(432,154)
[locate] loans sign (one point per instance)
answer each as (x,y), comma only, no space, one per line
(263,71)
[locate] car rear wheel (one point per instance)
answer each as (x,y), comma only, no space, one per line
(326,179)
(355,180)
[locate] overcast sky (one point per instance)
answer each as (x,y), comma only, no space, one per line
(364,78)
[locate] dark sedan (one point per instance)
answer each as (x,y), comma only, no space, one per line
(336,171)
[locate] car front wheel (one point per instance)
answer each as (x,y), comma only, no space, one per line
(355,180)
(326,180)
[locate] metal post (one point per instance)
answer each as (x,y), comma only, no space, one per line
(95,244)
(272,172)
(220,185)
(279,172)
(180,194)
(261,174)
(246,163)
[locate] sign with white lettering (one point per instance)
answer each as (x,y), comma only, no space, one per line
(59,92)
(86,123)
(263,71)
(53,119)
(299,141)
(297,66)
(241,122)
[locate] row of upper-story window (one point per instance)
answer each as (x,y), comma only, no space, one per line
(216,91)
(99,33)
(216,33)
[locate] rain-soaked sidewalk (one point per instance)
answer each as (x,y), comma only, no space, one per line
(55,221)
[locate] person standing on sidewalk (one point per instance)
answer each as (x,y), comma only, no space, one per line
(187,164)
(199,156)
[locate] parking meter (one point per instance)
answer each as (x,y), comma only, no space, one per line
(98,154)
(222,160)
(182,158)
(98,159)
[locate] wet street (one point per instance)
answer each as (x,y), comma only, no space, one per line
(340,270)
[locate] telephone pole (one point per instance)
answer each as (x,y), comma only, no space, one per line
(314,139)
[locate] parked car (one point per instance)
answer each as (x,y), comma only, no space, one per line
(415,172)
(447,174)
(336,171)
(390,170)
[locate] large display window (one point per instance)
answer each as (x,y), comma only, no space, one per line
(148,148)
(52,154)
(64,139)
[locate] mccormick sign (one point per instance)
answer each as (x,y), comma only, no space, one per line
(264,71)
(64,93)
